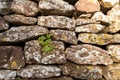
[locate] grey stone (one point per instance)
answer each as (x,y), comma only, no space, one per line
(3,24)
(64,35)
(88,54)
(56,22)
(39,71)
(22,33)
(11,57)
(20,19)
(82,71)
(55,7)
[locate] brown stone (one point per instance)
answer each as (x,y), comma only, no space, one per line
(34,53)
(22,33)
(3,24)
(7,75)
(26,7)
(20,19)
(114,51)
(56,22)
(112,72)
(11,57)
(88,54)
(39,71)
(55,7)
(64,35)
(82,71)
(88,6)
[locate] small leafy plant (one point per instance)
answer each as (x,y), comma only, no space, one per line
(45,41)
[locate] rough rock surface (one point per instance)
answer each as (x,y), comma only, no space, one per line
(11,57)
(88,54)
(55,7)
(34,54)
(112,72)
(3,24)
(5,7)
(94,28)
(39,71)
(88,6)
(21,33)
(56,22)
(82,71)
(7,75)
(20,19)
(25,7)
(99,39)
(114,51)
(64,35)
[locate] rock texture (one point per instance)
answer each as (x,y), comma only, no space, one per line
(3,24)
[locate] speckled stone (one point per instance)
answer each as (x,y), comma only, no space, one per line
(39,71)
(92,28)
(88,54)
(56,7)
(25,7)
(82,71)
(20,19)
(7,75)
(64,35)
(114,51)
(61,22)
(112,72)
(5,7)
(3,24)
(22,33)
(11,57)
(99,39)
(34,53)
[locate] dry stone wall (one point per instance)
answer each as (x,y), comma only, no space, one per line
(85,35)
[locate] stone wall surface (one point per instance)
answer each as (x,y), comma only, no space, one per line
(59,40)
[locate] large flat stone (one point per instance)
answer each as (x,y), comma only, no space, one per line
(25,7)
(22,33)
(39,71)
(88,54)
(11,57)
(56,22)
(86,72)
(64,35)
(55,7)
(20,19)
(34,53)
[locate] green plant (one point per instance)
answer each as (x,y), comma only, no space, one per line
(45,41)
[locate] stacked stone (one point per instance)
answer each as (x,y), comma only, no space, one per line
(85,36)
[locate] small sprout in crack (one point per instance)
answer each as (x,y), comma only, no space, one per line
(45,41)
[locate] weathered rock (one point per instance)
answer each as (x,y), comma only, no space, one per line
(108,3)
(100,17)
(99,39)
(5,7)
(11,57)
(39,71)
(88,54)
(7,75)
(20,19)
(88,6)
(114,51)
(56,22)
(26,7)
(21,33)
(55,7)
(82,71)
(112,72)
(86,16)
(34,53)
(3,24)
(94,28)
(64,35)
